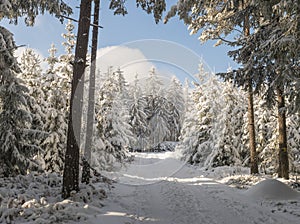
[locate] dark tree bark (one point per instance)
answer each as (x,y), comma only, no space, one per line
(91,102)
(71,169)
(251,130)
(251,127)
(283,168)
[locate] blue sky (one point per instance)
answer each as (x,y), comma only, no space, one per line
(135,26)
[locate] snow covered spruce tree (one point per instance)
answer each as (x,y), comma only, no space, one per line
(156,115)
(114,136)
(14,105)
(31,72)
(154,84)
(65,60)
(57,89)
(194,144)
(195,140)
(267,135)
(213,126)
(15,117)
(138,117)
(175,97)
(56,123)
(156,110)
(227,129)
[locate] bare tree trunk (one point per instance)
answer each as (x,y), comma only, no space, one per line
(91,102)
(251,127)
(71,169)
(251,130)
(283,168)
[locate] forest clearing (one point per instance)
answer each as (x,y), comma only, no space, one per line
(102,131)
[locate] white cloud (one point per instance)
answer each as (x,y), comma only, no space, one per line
(131,61)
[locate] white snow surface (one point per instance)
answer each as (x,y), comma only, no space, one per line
(158,188)
(153,188)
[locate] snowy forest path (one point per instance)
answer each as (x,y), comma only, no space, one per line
(186,197)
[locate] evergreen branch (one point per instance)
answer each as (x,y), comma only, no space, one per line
(67,17)
(12,48)
(235,29)
(75,20)
(224,40)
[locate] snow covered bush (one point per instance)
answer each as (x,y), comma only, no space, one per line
(37,199)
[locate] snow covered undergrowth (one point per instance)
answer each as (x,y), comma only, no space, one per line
(37,199)
(239,177)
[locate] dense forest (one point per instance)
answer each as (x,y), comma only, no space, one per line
(208,121)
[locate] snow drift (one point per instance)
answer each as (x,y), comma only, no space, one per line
(272,189)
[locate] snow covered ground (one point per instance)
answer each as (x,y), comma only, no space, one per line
(154,188)
(158,188)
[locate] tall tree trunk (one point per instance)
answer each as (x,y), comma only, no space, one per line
(71,169)
(91,102)
(251,127)
(251,130)
(283,168)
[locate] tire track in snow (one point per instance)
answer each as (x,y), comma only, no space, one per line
(185,206)
(153,207)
